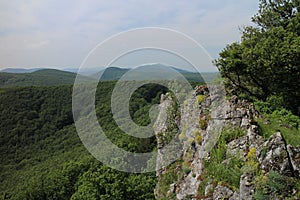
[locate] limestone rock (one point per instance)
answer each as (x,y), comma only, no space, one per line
(219,113)
(253,138)
(222,192)
(273,155)
(294,153)
(235,196)
(237,147)
(247,187)
(209,189)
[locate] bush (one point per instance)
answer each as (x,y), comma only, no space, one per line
(200,98)
(275,183)
(231,134)
(286,117)
(181,136)
(228,174)
(186,168)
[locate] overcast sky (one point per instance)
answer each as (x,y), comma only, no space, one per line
(58,33)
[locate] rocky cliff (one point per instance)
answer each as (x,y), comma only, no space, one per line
(220,153)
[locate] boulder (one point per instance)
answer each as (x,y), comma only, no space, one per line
(273,155)
(294,154)
(222,192)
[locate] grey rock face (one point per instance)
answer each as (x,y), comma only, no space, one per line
(273,155)
(247,187)
(222,192)
(294,154)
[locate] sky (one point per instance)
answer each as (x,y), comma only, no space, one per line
(61,33)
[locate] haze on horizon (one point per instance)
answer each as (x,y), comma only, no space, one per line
(60,34)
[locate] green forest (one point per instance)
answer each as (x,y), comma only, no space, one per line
(42,156)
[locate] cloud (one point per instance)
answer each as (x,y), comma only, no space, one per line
(61,33)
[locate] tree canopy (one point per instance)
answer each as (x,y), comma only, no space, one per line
(266,63)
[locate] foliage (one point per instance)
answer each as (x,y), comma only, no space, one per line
(44,77)
(230,134)
(217,171)
(278,120)
(251,165)
(41,156)
(173,173)
(198,137)
(203,123)
(275,183)
(266,61)
(200,98)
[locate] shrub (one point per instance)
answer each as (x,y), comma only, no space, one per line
(190,140)
(286,117)
(181,136)
(203,123)
(186,167)
(196,132)
(200,98)
(198,139)
(275,183)
(231,134)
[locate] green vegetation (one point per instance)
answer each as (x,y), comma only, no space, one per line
(278,119)
(216,171)
(198,137)
(59,77)
(41,77)
(273,182)
(172,175)
(41,156)
(264,68)
(266,62)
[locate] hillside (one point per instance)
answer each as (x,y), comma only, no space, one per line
(41,156)
(19,70)
(39,77)
(161,73)
(24,77)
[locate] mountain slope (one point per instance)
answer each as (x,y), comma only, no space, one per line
(161,73)
(42,157)
(40,77)
(20,70)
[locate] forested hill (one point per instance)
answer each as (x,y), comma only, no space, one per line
(46,77)
(39,77)
(42,157)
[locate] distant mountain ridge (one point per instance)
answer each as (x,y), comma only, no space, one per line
(20,70)
(38,76)
(159,71)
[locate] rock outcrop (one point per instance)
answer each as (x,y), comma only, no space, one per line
(201,120)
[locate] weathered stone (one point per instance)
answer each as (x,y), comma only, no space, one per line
(253,138)
(246,187)
(235,196)
(208,190)
(273,155)
(240,146)
(294,154)
(222,192)
(237,147)
(222,113)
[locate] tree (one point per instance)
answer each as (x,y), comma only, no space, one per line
(267,60)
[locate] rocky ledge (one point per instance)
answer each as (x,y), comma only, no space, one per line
(198,126)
